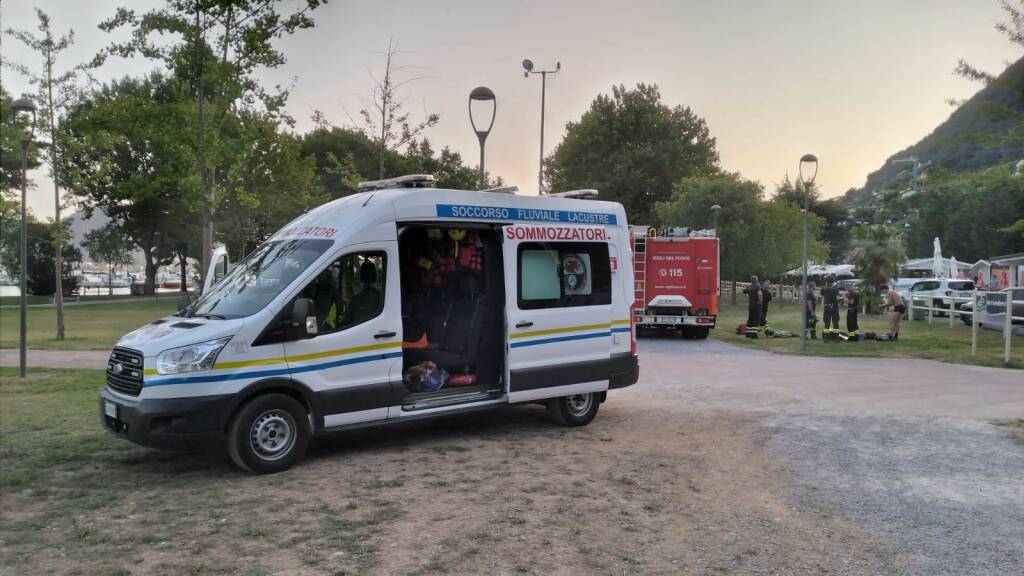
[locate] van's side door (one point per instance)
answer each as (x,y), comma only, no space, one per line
(558,302)
(359,340)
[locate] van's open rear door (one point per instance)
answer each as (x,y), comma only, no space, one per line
(559,310)
(219,267)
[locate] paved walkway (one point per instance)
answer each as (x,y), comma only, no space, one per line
(57,358)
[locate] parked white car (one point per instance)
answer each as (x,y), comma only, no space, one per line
(937,292)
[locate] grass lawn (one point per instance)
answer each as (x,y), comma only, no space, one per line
(92,296)
(75,499)
(91,327)
(918,339)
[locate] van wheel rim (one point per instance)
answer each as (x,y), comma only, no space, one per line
(579,404)
(272,434)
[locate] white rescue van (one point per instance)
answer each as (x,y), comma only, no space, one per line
(398,303)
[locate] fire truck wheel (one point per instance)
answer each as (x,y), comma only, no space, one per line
(701,333)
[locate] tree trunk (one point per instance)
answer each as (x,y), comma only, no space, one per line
(58,295)
(184,271)
(151,269)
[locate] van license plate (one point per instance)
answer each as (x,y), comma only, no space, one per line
(110,409)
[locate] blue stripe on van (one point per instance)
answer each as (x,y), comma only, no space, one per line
(560,339)
(621,329)
(275,372)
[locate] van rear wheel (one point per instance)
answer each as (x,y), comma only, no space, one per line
(269,434)
(574,410)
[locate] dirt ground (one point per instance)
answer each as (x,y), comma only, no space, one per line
(639,491)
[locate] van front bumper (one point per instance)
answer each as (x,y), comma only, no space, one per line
(171,423)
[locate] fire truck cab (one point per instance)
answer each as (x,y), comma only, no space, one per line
(675,279)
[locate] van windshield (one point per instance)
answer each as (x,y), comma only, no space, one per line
(250,286)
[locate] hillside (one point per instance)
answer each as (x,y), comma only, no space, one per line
(958,143)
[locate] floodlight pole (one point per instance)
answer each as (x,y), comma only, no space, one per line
(528,66)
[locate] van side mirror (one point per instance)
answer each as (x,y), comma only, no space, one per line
(303,318)
(184,301)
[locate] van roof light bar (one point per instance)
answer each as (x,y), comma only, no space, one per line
(409,181)
(503,190)
(586,194)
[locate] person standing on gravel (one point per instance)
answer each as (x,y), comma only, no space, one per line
(753,292)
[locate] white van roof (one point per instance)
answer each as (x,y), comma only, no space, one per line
(354,212)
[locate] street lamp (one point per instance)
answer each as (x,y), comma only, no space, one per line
(715,209)
(528,67)
(482,94)
(808,165)
(25,111)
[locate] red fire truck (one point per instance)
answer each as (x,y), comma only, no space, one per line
(676,276)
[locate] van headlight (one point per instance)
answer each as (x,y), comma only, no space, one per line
(192,358)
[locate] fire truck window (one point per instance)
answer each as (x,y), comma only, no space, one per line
(563,274)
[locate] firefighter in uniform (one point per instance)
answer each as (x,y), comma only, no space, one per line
(766,297)
(830,305)
(810,302)
(852,305)
(753,292)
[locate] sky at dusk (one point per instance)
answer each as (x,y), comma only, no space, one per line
(852,82)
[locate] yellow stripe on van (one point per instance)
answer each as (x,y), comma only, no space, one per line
(560,330)
(149,372)
(310,356)
(626,321)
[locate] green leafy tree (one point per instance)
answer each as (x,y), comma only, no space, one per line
(966,212)
(837,225)
(757,236)
(273,183)
(633,147)
(132,161)
(111,246)
(880,254)
(42,252)
(219,47)
(1011,111)
(56,90)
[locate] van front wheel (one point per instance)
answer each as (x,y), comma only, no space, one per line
(575,410)
(269,434)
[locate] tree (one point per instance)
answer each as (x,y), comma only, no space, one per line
(881,252)
(272,185)
(111,246)
(1013,29)
(134,163)
(55,91)
(757,236)
(42,252)
(219,46)
(633,148)
(966,212)
(837,230)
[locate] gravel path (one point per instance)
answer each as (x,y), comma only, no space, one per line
(903,449)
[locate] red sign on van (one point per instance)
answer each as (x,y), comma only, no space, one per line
(555,233)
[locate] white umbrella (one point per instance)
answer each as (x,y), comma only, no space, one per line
(938,270)
(954,269)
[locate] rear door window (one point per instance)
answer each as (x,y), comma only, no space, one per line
(961,285)
(563,274)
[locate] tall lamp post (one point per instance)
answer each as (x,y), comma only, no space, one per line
(24,108)
(528,67)
(482,94)
(808,165)
(715,209)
